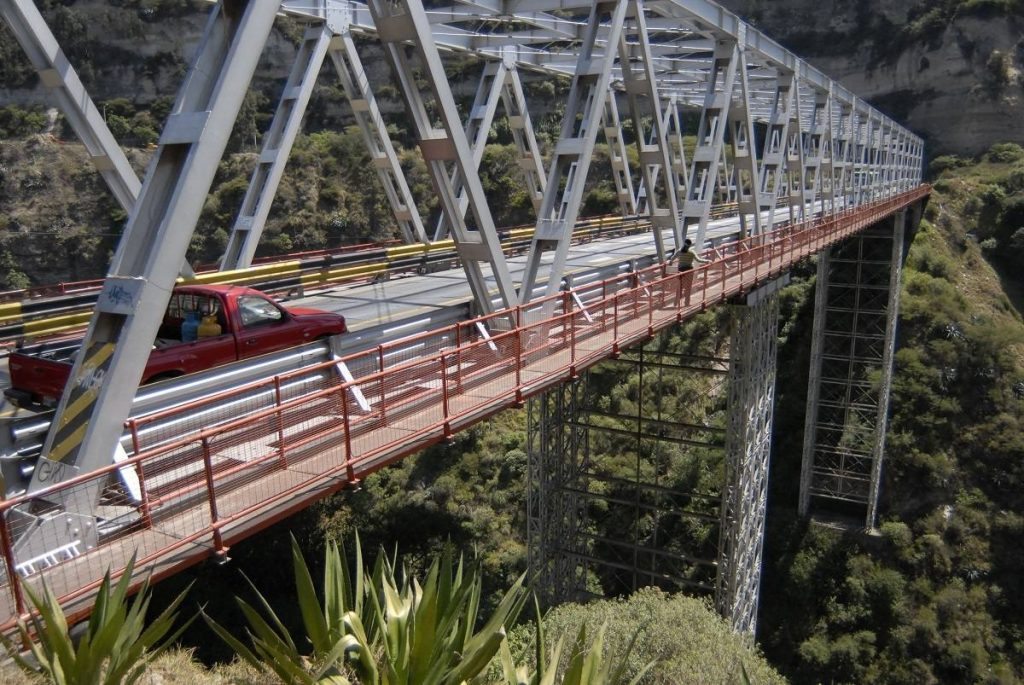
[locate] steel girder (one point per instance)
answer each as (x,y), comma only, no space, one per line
(331,38)
(87,424)
(745,165)
(708,154)
(57,74)
(403,27)
(853,345)
(366,112)
(752,372)
(500,83)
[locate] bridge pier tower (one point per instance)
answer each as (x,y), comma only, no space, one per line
(754,343)
(662,525)
(852,350)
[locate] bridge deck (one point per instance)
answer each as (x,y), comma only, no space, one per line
(266,465)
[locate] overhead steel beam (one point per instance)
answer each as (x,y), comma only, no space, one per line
(88,420)
(773,157)
(404,22)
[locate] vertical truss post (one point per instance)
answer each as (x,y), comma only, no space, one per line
(478,126)
(406,22)
(776,137)
(500,83)
(617,157)
(795,162)
(714,119)
(853,345)
(277,145)
(89,418)
(530,161)
(366,112)
(677,148)
(745,168)
(575,148)
(816,140)
(861,151)
(57,74)
(652,145)
(557,449)
(841,154)
(747,450)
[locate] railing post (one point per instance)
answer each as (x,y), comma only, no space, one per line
(280,423)
(615,324)
(144,506)
(218,543)
(347,424)
(12,572)
(458,356)
(381,389)
(519,353)
(568,311)
(444,397)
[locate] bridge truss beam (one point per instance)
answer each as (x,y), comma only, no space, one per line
(404,30)
(852,347)
(500,84)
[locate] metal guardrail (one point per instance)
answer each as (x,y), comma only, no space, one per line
(42,313)
(233,476)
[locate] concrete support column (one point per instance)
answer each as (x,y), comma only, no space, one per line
(852,352)
(747,450)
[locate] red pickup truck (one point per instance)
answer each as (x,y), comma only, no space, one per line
(247,324)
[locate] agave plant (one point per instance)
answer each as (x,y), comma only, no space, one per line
(422,634)
(318,656)
(117,645)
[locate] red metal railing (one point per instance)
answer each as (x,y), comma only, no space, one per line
(254,454)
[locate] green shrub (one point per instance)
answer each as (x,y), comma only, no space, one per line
(1005,153)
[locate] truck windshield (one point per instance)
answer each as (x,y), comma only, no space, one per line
(256,311)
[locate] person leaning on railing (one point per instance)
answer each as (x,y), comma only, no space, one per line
(687,257)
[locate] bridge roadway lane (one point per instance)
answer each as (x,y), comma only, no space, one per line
(389,310)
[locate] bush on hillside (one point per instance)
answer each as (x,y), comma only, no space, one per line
(689,641)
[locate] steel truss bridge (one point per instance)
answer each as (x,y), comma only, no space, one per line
(179,472)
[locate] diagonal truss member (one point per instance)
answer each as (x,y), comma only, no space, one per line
(331,38)
(88,421)
(403,28)
(500,83)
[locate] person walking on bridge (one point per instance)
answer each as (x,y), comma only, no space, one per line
(687,256)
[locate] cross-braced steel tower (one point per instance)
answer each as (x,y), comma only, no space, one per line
(853,344)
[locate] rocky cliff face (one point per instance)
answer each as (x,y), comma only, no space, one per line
(950,69)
